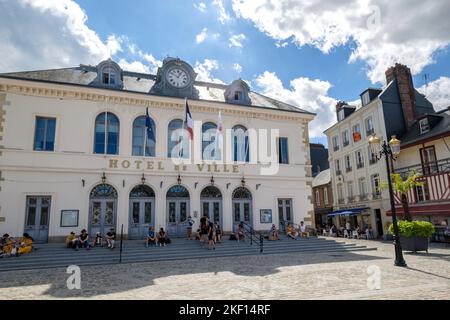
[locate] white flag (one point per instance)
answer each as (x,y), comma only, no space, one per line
(219,138)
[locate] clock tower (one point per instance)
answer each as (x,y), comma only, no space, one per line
(176,79)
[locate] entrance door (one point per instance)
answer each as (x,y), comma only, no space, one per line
(177,216)
(242,207)
(211,204)
(142,212)
(379,222)
(102,211)
(177,210)
(37,218)
(284,213)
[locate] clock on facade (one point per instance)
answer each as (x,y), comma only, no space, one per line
(177,77)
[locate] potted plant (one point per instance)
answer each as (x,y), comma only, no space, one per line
(414,235)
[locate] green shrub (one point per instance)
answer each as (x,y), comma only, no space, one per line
(410,229)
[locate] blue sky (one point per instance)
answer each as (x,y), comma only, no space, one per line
(287,49)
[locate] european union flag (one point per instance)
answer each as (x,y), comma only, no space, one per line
(149,127)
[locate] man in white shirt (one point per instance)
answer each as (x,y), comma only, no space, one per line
(302,231)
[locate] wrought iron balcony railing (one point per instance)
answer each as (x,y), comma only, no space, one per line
(426,169)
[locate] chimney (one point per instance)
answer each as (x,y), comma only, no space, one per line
(405,90)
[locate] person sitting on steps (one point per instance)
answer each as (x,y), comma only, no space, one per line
(291,232)
(71,240)
(302,231)
(162,237)
(111,238)
(151,238)
(241,233)
(273,235)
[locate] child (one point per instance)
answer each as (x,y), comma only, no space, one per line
(98,241)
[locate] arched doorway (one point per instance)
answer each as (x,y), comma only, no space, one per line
(242,207)
(142,211)
(102,209)
(211,204)
(178,208)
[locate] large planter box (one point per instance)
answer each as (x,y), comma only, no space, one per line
(414,244)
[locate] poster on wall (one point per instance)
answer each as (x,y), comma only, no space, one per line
(266,215)
(69,218)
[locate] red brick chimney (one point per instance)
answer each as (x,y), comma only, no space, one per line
(405,90)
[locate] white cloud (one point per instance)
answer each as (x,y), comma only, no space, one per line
(237,67)
(438,92)
(236,40)
(381,32)
(307,94)
(36,34)
(201,36)
(201,6)
(204,70)
(224,16)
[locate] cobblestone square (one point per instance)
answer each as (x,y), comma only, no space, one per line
(282,276)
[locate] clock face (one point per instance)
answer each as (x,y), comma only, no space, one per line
(178,77)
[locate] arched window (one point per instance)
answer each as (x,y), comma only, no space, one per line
(139,135)
(103,191)
(177,140)
(209,152)
(242,193)
(177,192)
(211,192)
(109,76)
(142,191)
(106,140)
(240,144)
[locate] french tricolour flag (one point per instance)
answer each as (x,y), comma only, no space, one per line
(189,122)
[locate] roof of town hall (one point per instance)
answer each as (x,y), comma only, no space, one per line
(134,82)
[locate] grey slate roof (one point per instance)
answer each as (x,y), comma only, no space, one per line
(440,127)
(142,83)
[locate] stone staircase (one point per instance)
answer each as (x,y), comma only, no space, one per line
(56,255)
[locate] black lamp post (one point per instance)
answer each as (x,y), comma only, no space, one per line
(390,152)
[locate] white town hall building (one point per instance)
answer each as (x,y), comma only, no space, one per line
(62,169)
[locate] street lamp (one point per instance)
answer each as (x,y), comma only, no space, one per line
(389,151)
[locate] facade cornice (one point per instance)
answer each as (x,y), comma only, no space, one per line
(73,92)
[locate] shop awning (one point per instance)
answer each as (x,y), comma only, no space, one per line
(347,212)
(442,209)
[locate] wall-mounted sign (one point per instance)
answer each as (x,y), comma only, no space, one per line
(265,215)
(69,218)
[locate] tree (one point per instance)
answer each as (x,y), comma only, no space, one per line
(403,187)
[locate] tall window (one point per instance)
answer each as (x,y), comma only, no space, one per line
(362,187)
(317,198)
(350,189)
(240,144)
(356,133)
(365,98)
(337,165)
(341,115)
(177,140)
(369,126)
(209,131)
(109,76)
(372,157)
(345,138)
(283,154)
(348,163)
(340,193)
(325,196)
(139,136)
(429,162)
(359,159)
(44,134)
(375,179)
(107,129)
(336,143)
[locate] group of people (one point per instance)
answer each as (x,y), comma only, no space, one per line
(209,232)
(155,239)
(347,232)
(12,247)
(83,240)
(293,233)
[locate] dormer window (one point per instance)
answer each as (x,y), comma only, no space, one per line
(365,98)
(238,96)
(424,126)
(238,93)
(109,76)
